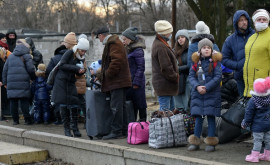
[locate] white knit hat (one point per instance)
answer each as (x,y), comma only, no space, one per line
(83,44)
(260,13)
(163,27)
(202,28)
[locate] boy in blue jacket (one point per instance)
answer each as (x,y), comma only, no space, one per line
(41,89)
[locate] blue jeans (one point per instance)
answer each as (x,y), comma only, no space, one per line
(166,102)
(211,126)
(258,138)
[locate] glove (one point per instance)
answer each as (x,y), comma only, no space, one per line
(244,124)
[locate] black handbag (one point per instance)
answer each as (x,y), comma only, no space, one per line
(236,112)
(224,131)
(52,74)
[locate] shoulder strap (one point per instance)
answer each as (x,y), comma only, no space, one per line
(214,64)
(194,67)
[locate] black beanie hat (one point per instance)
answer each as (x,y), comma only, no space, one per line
(131,33)
(2,35)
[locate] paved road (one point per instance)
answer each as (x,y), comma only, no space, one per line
(231,153)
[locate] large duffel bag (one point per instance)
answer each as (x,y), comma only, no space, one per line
(138,132)
(235,114)
(98,114)
(224,131)
(168,131)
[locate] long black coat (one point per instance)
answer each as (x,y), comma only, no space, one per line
(64,89)
(58,53)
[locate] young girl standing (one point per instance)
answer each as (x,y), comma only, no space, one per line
(257,116)
(205,93)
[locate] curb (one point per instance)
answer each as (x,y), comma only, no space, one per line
(81,151)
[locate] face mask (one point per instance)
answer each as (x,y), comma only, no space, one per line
(170,37)
(261,26)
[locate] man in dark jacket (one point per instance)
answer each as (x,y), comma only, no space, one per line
(115,79)
(11,37)
(17,73)
(37,56)
(233,49)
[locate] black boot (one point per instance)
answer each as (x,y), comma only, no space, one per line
(74,122)
(65,113)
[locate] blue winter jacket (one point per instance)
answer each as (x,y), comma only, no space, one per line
(17,73)
(41,89)
(259,118)
(193,47)
(233,49)
(210,102)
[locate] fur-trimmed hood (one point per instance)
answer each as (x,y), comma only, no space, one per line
(199,37)
(139,43)
(216,57)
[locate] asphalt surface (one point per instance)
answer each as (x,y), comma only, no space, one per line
(230,153)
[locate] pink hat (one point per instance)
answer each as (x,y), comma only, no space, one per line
(261,87)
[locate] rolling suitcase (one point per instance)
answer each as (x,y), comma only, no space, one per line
(98,114)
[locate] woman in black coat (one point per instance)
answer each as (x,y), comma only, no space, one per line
(64,90)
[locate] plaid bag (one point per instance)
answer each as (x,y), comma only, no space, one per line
(167,132)
(189,121)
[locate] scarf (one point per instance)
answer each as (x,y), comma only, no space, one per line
(261,101)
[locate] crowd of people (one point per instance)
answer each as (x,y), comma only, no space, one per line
(187,76)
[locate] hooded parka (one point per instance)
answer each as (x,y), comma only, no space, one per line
(17,73)
(210,102)
(233,49)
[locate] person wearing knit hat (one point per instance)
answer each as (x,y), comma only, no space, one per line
(164,66)
(40,89)
(3,38)
(135,45)
(233,48)
(257,119)
(205,42)
(130,33)
(3,41)
(71,66)
(70,40)
(181,52)
(82,36)
(205,77)
(202,28)
(16,76)
(202,31)
(257,51)
(22,42)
